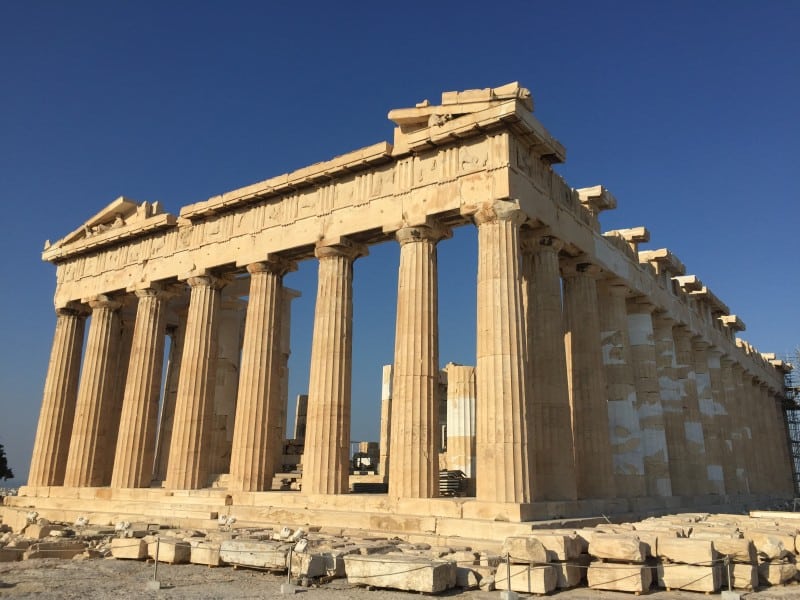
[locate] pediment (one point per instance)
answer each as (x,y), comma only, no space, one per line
(121,218)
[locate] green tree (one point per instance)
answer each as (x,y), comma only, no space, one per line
(5,472)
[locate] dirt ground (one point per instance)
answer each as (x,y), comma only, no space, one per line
(108,579)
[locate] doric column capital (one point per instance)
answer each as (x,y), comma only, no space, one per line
(501,210)
(341,247)
(641,305)
(273,264)
(104,301)
(698,343)
(419,233)
(210,281)
(73,309)
(615,287)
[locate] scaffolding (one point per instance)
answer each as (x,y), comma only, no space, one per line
(791,407)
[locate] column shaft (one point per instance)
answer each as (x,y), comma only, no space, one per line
(189,456)
(325,459)
(587,384)
(461,422)
(415,414)
(503,471)
(133,462)
(166,419)
(733,465)
(648,398)
(56,417)
(258,430)
(623,417)
(709,412)
(386,421)
(94,410)
(550,423)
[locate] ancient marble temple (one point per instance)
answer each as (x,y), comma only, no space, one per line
(606,377)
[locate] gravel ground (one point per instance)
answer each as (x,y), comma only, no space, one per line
(108,579)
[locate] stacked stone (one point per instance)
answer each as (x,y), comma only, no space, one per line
(619,561)
(688,564)
(526,566)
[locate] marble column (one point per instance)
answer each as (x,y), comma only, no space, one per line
(784,480)
(386,422)
(461,422)
(415,413)
(693,428)
(672,405)
(258,431)
(326,467)
(742,427)
(93,412)
(722,419)
(133,462)
(189,453)
(177,334)
(587,382)
(648,396)
(550,423)
(627,449)
(56,417)
(501,444)
(733,469)
(709,416)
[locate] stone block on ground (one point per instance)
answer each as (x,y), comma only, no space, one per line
(677,576)
(771,544)
(524,550)
(737,549)
(318,564)
(401,572)
(568,574)
(622,547)
(467,578)
(34,531)
(129,548)
(205,553)
(687,550)
(61,549)
(538,579)
(619,577)
(262,555)
(560,547)
(743,576)
(11,554)
(170,551)
(776,572)
(17,520)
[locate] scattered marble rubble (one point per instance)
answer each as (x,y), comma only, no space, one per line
(691,552)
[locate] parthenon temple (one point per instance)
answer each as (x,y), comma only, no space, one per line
(608,379)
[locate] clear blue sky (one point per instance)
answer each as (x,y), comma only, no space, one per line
(687,111)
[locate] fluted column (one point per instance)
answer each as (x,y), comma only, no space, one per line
(461,421)
(722,419)
(672,404)
(325,458)
(625,434)
(709,411)
(784,469)
(501,444)
(648,397)
(693,428)
(553,472)
(95,397)
(742,423)
(189,456)
(136,441)
(415,414)
(177,334)
(56,417)
(587,382)
(258,430)
(733,468)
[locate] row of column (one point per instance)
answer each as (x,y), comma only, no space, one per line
(592,395)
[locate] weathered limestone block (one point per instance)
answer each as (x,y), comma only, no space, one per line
(63,549)
(559,547)
(743,577)
(776,572)
(467,577)
(308,565)
(770,544)
(619,577)
(127,548)
(170,551)
(675,576)
(397,571)
(539,579)
(568,574)
(35,531)
(738,550)
(618,547)
(11,554)
(205,553)
(524,550)
(687,550)
(17,520)
(264,555)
